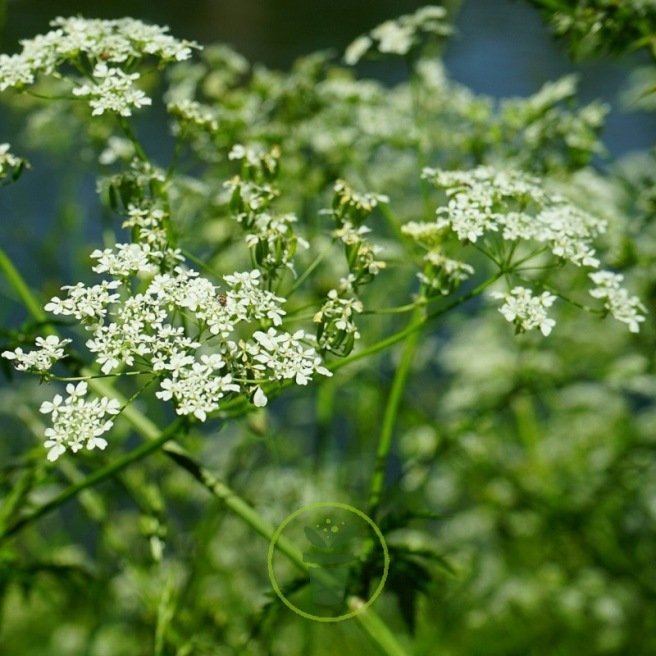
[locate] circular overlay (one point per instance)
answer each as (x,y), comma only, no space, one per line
(331,538)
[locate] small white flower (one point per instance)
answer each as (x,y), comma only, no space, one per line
(50,350)
(259,398)
(357,50)
(617,301)
(113,91)
(525,310)
(77,423)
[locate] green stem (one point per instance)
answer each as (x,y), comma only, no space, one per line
(377,629)
(413,327)
(391,411)
(129,133)
(25,294)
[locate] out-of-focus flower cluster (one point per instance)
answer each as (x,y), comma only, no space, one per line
(400,36)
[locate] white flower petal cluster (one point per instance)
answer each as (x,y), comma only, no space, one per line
(399,36)
(103,45)
(50,350)
(194,113)
(525,310)
(127,259)
(424,233)
(264,162)
(76,422)
(197,387)
(355,204)
(617,301)
(149,222)
(85,303)
(284,356)
(113,42)
(113,90)
(488,200)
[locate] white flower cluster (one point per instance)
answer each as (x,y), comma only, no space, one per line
(487,200)
(617,301)
(113,90)
(525,310)
(280,356)
(353,204)
(76,422)
(50,350)
(196,386)
(149,222)
(350,209)
(429,235)
(265,163)
(399,36)
(202,343)
(105,46)
(127,260)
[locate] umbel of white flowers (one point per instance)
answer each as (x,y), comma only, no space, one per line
(484,204)
(143,332)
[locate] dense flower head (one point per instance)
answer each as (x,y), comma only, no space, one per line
(77,423)
(617,301)
(525,310)
(107,46)
(507,203)
(514,204)
(112,90)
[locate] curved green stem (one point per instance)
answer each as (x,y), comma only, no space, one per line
(413,327)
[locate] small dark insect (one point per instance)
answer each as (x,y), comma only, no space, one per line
(222,298)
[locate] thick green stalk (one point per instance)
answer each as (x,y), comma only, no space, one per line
(391,412)
(377,629)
